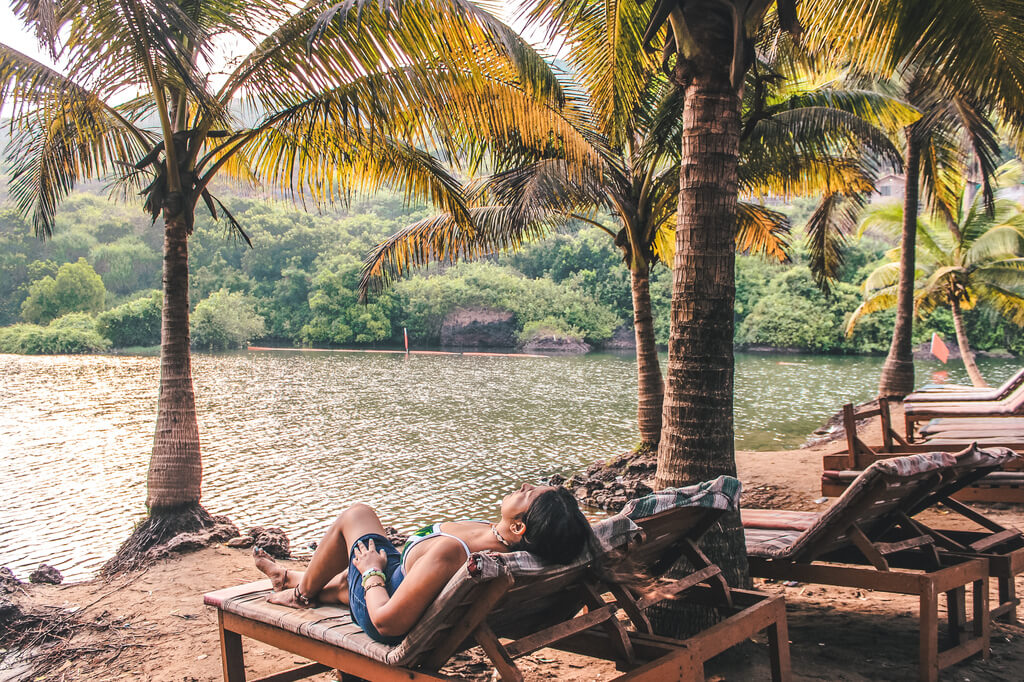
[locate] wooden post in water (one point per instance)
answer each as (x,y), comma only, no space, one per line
(405,332)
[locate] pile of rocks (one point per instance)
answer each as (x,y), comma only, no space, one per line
(271,540)
(610,484)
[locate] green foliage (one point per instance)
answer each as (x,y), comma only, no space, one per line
(225,320)
(791,312)
(422,303)
(549,327)
(71,333)
(135,323)
(335,314)
(76,288)
(127,265)
(301,277)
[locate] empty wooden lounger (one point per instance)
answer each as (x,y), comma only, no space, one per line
(839,469)
(1001,546)
(967,393)
(1011,405)
(514,596)
(844,546)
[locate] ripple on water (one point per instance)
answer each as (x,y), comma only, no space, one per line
(292,438)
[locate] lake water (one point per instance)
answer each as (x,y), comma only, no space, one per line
(291,438)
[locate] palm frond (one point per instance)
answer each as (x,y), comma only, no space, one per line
(884,276)
(997,243)
(881,300)
(763,231)
(312,154)
(442,239)
(60,133)
(827,230)
(1007,302)
(604,41)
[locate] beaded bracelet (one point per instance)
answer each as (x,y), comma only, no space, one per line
(370,574)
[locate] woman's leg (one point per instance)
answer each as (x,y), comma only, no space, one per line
(281,579)
(331,556)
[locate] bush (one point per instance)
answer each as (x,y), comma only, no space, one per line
(76,288)
(549,327)
(336,316)
(73,333)
(225,320)
(135,323)
(422,303)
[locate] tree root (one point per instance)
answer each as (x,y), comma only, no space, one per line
(166,531)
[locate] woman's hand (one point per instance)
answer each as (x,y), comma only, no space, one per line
(366,557)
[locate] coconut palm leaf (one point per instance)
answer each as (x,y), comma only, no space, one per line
(874,107)
(1008,302)
(827,230)
(60,132)
(883,299)
(604,40)
(879,36)
(441,239)
(761,230)
(882,277)
(997,243)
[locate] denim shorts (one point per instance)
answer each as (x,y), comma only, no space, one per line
(356,593)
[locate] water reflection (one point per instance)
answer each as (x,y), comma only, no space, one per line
(290,438)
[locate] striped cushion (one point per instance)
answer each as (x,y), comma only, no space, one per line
(721,493)
(777,519)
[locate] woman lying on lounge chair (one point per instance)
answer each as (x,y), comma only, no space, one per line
(388,591)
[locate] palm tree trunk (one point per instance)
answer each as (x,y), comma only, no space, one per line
(697,431)
(965,348)
(650,387)
(898,371)
(175,470)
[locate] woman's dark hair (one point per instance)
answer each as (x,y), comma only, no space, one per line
(556,529)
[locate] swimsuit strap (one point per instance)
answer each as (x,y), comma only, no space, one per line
(433,531)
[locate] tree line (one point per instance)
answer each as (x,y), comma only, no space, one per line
(94,286)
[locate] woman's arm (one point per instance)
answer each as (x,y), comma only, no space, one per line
(395,614)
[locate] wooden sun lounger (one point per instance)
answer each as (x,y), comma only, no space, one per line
(1009,405)
(967,393)
(846,545)
(497,597)
(839,469)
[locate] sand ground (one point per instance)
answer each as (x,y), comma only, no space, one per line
(152,625)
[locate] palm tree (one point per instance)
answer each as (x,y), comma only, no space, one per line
(956,90)
(343,113)
(975,259)
(795,141)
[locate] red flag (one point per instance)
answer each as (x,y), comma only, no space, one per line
(939,348)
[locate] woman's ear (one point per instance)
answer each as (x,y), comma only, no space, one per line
(518,528)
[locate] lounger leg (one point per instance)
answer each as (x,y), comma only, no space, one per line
(778,645)
(982,622)
(956,612)
(231,653)
(1008,595)
(488,641)
(928,665)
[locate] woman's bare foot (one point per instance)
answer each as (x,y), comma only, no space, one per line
(278,574)
(286,598)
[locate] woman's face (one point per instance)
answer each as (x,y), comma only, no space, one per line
(516,503)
